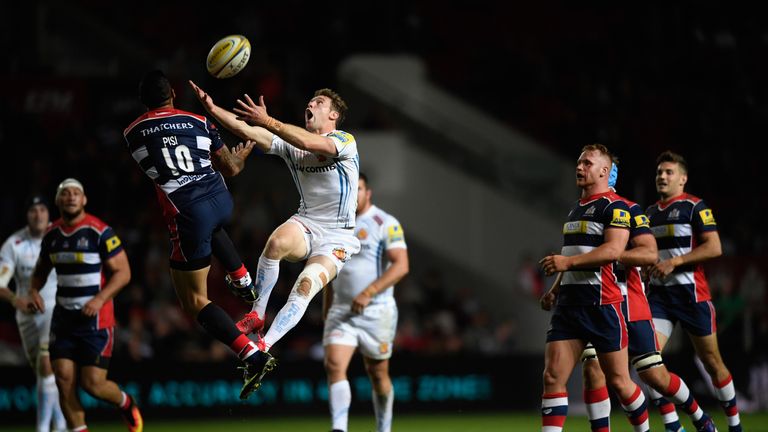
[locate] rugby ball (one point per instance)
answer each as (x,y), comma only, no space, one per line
(228,56)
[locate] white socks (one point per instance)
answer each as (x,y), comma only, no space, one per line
(266,278)
(382,407)
(339,399)
(48,405)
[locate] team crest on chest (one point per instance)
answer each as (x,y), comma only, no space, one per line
(82,243)
(674,214)
(362,234)
(590,211)
(340,254)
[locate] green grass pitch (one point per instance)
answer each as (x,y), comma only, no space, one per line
(456,422)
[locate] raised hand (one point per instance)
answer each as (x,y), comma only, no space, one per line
(202,96)
(251,113)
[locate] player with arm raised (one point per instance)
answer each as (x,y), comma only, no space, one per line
(184,155)
(324,164)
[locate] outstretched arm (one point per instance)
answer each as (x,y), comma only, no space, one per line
(260,136)
(256,115)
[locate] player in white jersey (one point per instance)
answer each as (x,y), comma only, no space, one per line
(17,260)
(324,164)
(363,313)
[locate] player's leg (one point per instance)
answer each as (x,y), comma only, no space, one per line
(316,274)
(191,239)
(376,327)
(337,358)
(664,320)
(596,397)
(288,242)
(383,393)
(94,381)
(647,361)
(707,349)
(34,331)
(608,333)
(560,357)
(192,289)
(238,279)
(65,371)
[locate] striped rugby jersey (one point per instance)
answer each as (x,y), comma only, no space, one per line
(630,281)
(378,232)
(173,148)
(676,224)
(327,186)
(584,231)
(78,253)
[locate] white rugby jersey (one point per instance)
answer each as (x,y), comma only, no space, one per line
(378,232)
(327,185)
(18,257)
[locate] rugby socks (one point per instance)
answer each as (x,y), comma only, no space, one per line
(287,318)
(637,410)
(266,278)
(666,410)
(339,400)
(219,325)
(48,405)
(82,428)
(382,408)
(678,392)
(598,409)
(554,410)
(726,394)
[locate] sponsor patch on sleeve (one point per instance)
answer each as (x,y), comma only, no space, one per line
(395,233)
(343,137)
(620,218)
(112,243)
(707,218)
(642,221)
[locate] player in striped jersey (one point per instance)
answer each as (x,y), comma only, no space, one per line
(686,234)
(360,311)
(588,297)
(643,349)
(91,268)
(17,260)
(324,165)
(184,155)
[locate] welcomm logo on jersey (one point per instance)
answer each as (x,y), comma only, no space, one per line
(707,218)
(620,218)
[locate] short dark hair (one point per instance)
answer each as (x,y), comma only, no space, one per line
(670,156)
(337,103)
(364,178)
(154,89)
